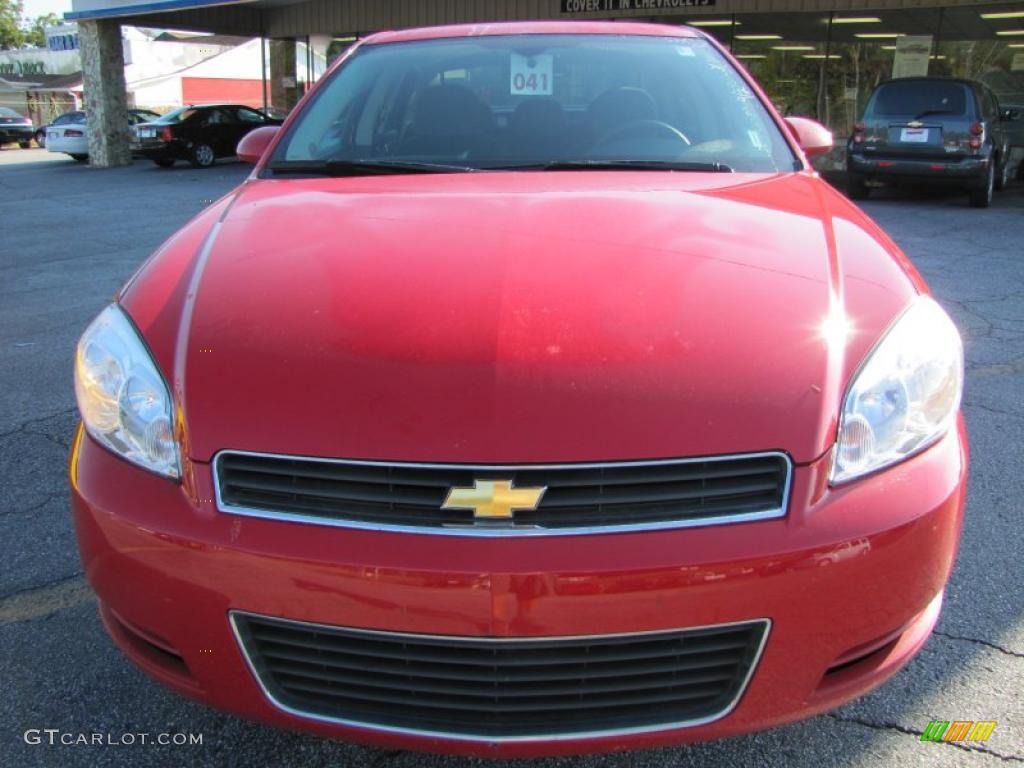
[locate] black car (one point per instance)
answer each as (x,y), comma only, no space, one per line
(15,128)
(933,130)
(197,134)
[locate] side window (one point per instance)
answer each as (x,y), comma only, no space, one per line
(995,104)
(249,115)
(986,104)
(216,117)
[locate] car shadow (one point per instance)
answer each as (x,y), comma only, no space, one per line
(933,194)
(186,165)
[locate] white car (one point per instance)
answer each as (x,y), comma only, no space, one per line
(68,133)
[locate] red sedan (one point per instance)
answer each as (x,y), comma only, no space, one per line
(532,396)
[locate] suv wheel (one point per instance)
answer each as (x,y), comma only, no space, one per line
(856,188)
(202,156)
(1003,177)
(981,196)
(41,138)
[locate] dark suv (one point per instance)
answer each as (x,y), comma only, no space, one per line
(197,134)
(932,130)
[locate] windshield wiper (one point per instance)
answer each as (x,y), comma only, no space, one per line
(372,167)
(369,167)
(615,165)
(933,112)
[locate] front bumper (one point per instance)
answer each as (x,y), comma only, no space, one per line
(963,170)
(851,581)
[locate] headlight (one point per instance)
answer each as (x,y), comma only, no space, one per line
(905,396)
(124,401)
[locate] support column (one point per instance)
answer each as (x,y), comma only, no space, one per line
(263,71)
(319,45)
(104,93)
(284,85)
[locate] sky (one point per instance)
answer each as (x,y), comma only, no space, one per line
(35,8)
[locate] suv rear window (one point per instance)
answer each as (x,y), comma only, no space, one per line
(919,97)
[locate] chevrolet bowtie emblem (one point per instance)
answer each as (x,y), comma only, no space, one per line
(493,499)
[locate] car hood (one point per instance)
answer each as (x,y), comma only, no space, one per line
(520,317)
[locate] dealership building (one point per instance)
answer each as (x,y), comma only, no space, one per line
(162,70)
(814,57)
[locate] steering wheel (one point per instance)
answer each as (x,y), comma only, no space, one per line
(654,129)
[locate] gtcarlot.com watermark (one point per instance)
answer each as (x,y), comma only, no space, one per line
(55,737)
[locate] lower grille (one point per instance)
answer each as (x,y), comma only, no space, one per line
(502,689)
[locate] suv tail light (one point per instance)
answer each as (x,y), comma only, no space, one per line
(166,134)
(858,133)
(977,134)
(977,130)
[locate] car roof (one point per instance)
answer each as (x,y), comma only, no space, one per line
(942,79)
(218,106)
(534,28)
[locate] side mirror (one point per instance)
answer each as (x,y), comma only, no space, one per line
(813,137)
(255,143)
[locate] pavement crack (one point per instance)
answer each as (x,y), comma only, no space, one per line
(986,643)
(999,368)
(385,756)
(37,587)
(65,445)
(912,732)
(39,602)
(994,411)
(50,497)
(22,428)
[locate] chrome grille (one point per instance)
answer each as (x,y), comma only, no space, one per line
(580,498)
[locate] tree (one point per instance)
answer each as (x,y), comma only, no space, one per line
(36,33)
(11,35)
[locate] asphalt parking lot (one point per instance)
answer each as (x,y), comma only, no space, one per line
(69,237)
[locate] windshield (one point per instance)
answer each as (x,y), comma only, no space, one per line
(535,101)
(177,115)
